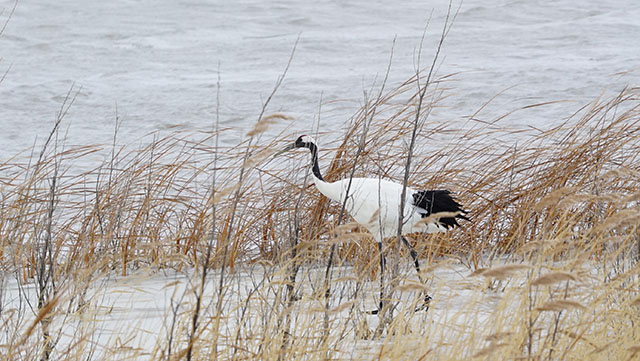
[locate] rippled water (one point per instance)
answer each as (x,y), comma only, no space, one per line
(157,62)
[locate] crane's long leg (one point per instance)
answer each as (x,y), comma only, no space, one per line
(414,255)
(382,267)
(416,263)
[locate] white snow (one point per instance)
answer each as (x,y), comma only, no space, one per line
(133,315)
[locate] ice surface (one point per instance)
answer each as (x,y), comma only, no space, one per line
(159,60)
(136,312)
(134,315)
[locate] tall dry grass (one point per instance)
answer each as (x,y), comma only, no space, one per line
(549,261)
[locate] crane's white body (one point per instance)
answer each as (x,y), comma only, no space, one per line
(375,203)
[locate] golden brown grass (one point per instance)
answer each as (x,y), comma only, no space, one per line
(547,269)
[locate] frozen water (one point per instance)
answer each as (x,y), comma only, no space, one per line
(157,62)
(138,310)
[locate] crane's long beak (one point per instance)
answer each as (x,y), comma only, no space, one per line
(286,149)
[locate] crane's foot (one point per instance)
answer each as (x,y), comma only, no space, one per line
(375,312)
(425,304)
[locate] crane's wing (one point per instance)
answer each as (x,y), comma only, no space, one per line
(435,201)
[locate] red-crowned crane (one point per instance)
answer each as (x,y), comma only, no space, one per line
(374,203)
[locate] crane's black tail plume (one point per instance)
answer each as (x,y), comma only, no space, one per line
(429,202)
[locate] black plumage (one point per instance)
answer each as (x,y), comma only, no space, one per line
(430,202)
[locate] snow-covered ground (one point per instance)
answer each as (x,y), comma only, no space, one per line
(135,314)
(157,62)
(136,317)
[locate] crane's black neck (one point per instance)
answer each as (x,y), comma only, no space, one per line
(314,158)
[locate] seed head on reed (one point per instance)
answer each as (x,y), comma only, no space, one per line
(501,272)
(554,277)
(490,349)
(263,124)
(560,305)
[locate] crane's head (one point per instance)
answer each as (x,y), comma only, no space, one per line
(303,141)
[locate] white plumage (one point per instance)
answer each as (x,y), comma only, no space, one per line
(374,204)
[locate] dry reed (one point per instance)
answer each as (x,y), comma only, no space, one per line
(554,233)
